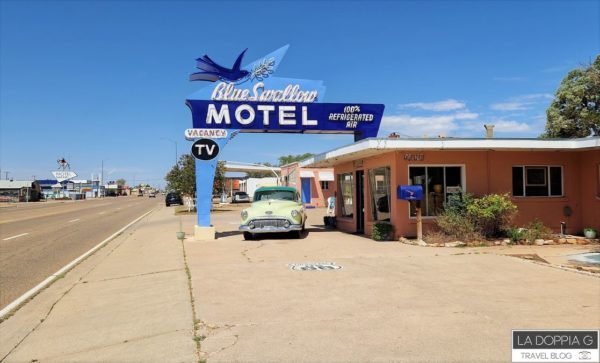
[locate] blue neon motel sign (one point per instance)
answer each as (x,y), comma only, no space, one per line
(251,99)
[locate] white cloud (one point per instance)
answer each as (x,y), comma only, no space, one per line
(429,125)
(511,126)
(535,96)
(446,105)
(509,106)
(466,116)
(523,102)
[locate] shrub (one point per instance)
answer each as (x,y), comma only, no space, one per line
(457,203)
(457,225)
(466,217)
(536,230)
(491,214)
(515,234)
(382,231)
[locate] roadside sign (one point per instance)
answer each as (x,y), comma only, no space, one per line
(62,175)
(205,149)
(192,134)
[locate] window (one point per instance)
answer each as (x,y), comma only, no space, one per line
(379,185)
(275,195)
(292,177)
(324,185)
(345,187)
(438,183)
(537,181)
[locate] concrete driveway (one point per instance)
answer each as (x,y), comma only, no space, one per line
(388,302)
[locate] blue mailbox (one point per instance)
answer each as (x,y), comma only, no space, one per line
(410,192)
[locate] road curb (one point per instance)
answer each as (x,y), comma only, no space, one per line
(35,290)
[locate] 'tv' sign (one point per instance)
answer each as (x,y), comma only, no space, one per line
(205,149)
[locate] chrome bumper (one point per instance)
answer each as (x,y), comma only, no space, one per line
(271,229)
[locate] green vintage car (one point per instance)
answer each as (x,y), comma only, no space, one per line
(274,209)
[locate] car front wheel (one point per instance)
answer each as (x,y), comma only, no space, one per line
(248,236)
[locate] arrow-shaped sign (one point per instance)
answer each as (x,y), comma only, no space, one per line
(62,175)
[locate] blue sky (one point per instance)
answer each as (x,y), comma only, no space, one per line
(95,81)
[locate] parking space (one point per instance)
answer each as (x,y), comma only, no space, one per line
(388,301)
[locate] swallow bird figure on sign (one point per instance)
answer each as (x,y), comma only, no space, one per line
(213,72)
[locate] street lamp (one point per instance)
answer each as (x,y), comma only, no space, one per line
(101,191)
(174,143)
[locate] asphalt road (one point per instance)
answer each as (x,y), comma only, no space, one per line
(37,239)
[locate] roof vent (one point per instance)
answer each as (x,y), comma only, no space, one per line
(394,135)
(489,131)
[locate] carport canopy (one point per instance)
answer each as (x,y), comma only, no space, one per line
(250,167)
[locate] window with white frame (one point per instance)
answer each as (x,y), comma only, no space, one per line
(347,200)
(438,183)
(324,185)
(537,181)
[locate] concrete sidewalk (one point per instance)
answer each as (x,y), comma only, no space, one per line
(129,302)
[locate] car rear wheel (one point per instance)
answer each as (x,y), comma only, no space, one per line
(248,236)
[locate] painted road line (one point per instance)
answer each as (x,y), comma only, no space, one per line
(29,294)
(19,235)
(101,212)
(74,220)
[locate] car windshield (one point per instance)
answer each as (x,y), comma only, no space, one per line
(274,195)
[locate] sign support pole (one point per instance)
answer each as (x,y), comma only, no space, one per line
(205,176)
(419,221)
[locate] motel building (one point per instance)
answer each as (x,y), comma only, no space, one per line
(552,180)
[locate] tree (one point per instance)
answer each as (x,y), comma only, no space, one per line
(121,181)
(182,177)
(219,181)
(575,111)
(288,159)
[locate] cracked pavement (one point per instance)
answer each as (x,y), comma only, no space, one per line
(131,301)
(389,302)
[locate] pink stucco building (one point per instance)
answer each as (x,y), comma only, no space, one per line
(315,185)
(552,180)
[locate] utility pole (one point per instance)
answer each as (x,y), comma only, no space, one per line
(102,179)
(6,174)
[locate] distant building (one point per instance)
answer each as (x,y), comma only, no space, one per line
(19,191)
(315,185)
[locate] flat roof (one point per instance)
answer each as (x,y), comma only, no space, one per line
(248,167)
(375,146)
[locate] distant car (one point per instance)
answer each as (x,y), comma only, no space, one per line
(274,209)
(173,198)
(151,195)
(241,197)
